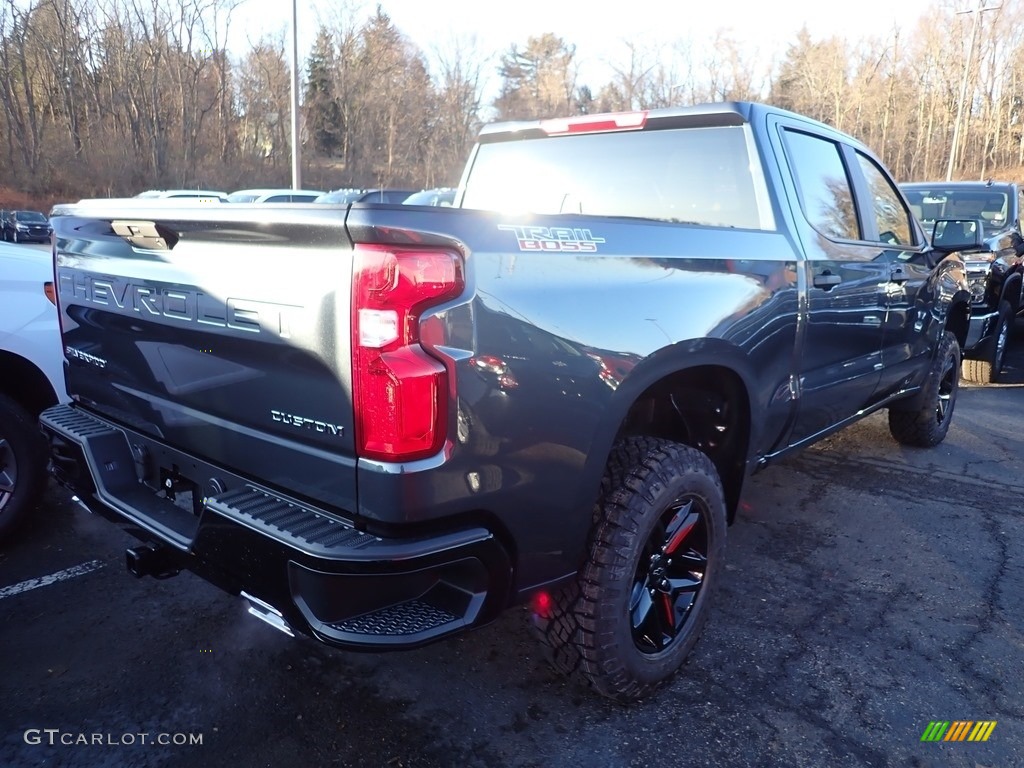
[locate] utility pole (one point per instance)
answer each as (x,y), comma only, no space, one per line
(963,83)
(296,149)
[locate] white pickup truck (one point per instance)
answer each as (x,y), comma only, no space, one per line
(31,377)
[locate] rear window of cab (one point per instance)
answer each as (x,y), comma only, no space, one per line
(707,176)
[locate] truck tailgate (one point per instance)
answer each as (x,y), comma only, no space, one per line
(222,330)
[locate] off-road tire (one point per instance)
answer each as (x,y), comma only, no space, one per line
(986,369)
(924,420)
(587,630)
(22,465)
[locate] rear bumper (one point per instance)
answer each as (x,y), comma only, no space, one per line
(311,566)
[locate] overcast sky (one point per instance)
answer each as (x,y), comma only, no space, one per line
(598,27)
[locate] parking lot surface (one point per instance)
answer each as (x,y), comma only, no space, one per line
(871,589)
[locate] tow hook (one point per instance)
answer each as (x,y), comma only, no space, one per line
(151,560)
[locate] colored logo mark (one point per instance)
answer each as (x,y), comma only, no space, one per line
(958,730)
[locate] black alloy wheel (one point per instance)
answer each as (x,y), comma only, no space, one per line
(948,381)
(923,420)
(670,576)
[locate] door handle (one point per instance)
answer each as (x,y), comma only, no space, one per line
(827,280)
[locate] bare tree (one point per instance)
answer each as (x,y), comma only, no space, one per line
(459,99)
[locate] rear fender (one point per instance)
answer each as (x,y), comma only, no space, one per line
(665,363)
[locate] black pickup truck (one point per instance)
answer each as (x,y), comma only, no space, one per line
(995,270)
(384,425)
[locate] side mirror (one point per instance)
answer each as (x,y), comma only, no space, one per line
(958,235)
(1018,243)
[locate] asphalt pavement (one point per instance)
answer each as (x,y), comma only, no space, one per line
(870,590)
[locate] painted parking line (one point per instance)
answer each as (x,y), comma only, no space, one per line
(53,578)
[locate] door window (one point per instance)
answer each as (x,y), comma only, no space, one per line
(826,195)
(891,217)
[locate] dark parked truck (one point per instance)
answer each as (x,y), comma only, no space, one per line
(994,269)
(384,425)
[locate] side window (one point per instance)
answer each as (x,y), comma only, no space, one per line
(891,217)
(279,199)
(1020,206)
(826,194)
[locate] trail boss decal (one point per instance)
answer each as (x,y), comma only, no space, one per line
(563,239)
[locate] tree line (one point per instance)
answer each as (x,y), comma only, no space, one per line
(110,97)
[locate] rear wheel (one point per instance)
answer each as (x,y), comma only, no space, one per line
(924,420)
(22,465)
(627,623)
(986,369)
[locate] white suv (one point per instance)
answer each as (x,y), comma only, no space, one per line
(31,377)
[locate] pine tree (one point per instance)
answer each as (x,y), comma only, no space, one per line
(323,113)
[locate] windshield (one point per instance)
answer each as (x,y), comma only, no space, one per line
(242,197)
(29,216)
(930,204)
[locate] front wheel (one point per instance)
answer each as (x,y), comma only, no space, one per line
(986,369)
(635,611)
(22,465)
(924,420)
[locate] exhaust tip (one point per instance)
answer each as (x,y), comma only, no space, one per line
(268,613)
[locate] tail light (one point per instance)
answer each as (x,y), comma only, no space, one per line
(400,391)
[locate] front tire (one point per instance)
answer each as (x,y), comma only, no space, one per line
(924,421)
(22,465)
(637,608)
(986,370)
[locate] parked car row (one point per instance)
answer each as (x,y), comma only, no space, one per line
(22,226)
(205,195)
(435,196)
(989,215)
